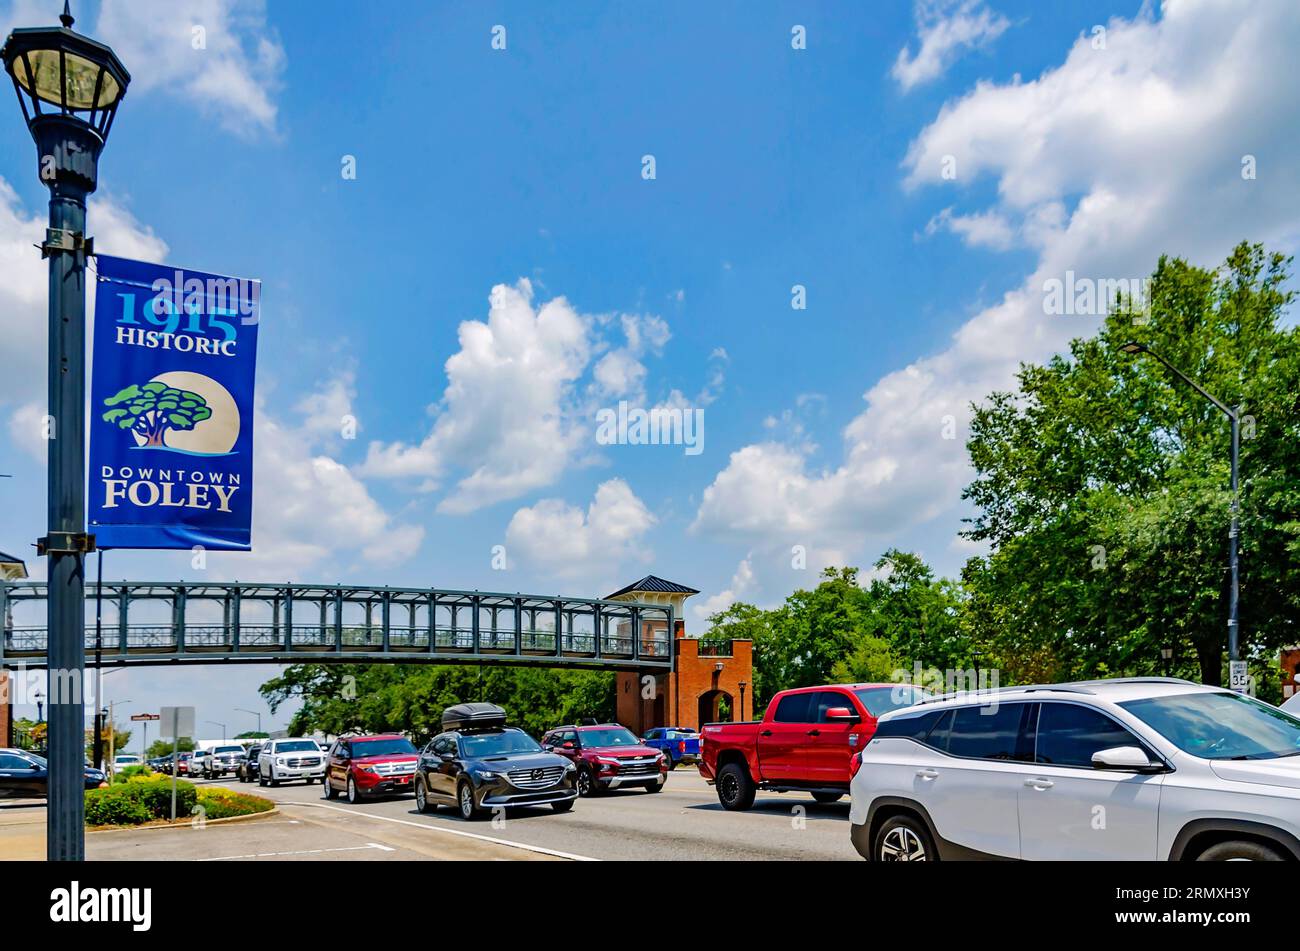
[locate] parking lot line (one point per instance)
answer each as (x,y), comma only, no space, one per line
(443,829)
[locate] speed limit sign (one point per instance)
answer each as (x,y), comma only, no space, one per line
(1238,678)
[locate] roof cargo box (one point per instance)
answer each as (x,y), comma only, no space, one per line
(473,716)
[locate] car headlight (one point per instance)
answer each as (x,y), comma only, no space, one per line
(569,767)
(487,774)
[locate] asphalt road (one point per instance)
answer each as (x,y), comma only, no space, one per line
(684,821)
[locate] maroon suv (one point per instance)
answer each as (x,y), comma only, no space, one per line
(363,766)
(608,756)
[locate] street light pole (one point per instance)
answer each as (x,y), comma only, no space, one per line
(1234,416)
(254,713)
(69,88)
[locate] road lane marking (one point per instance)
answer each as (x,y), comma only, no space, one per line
(438,827)
(265,855)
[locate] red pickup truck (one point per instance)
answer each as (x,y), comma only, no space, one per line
(804,743)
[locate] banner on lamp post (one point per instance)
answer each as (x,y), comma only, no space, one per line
(171,407)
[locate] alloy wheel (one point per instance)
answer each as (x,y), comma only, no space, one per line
(901,844)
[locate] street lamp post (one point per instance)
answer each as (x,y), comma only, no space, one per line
(222,725)
(69,88)
(254,713)
(742,684)
(1234,417)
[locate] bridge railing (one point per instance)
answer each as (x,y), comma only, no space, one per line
(224,621)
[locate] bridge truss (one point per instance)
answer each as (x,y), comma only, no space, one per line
(151,623)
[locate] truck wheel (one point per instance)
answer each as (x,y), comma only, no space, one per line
(735,789)
(657,785)
(672,763)
(825,798)
(261,778)
(1239,850)
(903,839)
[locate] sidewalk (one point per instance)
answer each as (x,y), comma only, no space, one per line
(22,830)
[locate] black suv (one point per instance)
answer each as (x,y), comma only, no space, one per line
(247,768)
(478,764)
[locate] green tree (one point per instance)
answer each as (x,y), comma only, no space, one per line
(339,698)
(1102,485)
(163,747)
(154,408)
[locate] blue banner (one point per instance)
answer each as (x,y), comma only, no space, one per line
(171,408)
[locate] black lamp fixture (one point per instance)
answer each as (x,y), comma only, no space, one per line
(69,88)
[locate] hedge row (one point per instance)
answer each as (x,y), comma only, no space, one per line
(146,798)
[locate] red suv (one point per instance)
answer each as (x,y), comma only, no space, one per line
(608,756)
(363,766)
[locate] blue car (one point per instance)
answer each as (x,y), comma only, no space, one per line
(679,744)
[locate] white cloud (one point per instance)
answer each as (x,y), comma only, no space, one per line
(563,541)
(506,413)
(741,583)
(309,508)
(1103,163)
(24,286)
(946,28)
(235,73)
(988,229)
(521,395)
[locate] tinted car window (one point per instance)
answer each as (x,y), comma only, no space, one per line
(913,728)
(793,708)
(985,732)
(1068,734)
(9,761)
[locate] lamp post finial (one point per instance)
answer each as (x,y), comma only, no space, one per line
(66,16)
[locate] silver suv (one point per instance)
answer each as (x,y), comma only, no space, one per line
(1139,768)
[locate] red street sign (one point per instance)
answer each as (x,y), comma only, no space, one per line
(146,716)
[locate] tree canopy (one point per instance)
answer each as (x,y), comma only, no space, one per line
(154,408)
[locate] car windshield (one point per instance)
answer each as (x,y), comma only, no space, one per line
(398,747)
(297,746)
(1220,725)
(230,749)
(478,745)
(38,759)
(880,700)
(610,736)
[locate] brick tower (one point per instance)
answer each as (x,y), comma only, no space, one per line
(706,679)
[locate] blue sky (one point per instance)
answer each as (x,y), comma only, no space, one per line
(838,428)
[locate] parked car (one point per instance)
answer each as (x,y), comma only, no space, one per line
(184,764)
(365,766)
(478,763)
(25,775)
(123,760)
(804,743)
(285,760)
(247,768)
(608,756)
(221,760)
(679,744)
(1177,770)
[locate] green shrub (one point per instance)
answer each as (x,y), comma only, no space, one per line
(128,773)
(108,807)
(221,803)
(139,799)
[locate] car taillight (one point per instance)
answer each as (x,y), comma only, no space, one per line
(681,746)
(855,764)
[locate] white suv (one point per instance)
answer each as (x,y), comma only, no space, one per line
(1140,768)
(284,760)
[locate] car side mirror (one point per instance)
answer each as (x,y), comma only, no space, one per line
(842,715)
(1124,758)
(568,746)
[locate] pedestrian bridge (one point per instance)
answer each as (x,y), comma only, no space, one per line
(143,623)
